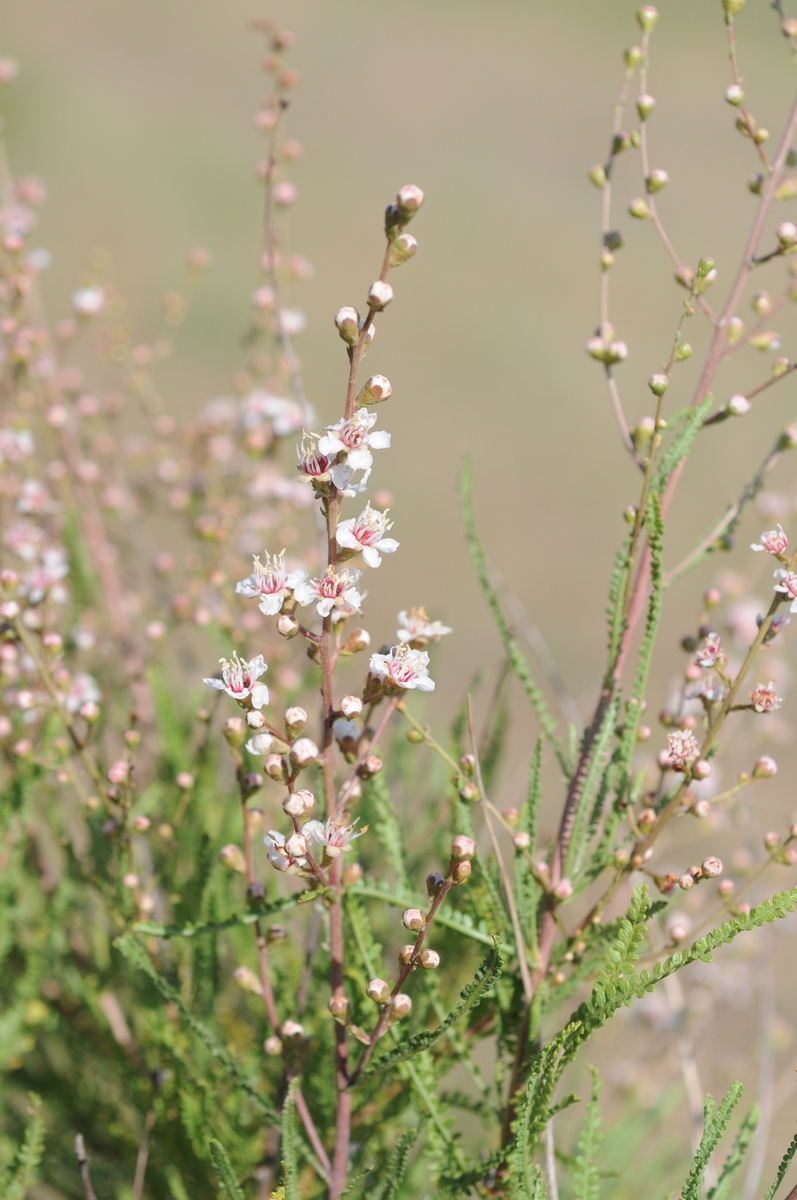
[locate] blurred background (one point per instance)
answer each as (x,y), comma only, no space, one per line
(140,120)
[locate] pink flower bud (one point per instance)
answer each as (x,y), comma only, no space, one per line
(460,873)
(287,626)
(413,919)
(701,769)
(772,840)
(296,845)
(511,816)
(255,719)
(701,809)
(409,199)
(273,1046)
(118,772)
(232,857)
(247,981)
(429,960)
(405,955)
(402,1006)
(522,840)
(469,792)
(563,889)
(359,639)
(463,847)
(686,881)
(185,780)
(376,389)
(372,766)
(141,823)
(646,819)
(292,1029)
(378,991)
(765,768)
(276,768)
(711,867)
(234,730)
(739,405)
(352,874)
(339,1007)
(403,249)
(348,323)
(734,95)
(296,718)
(304,752)
(678,931)
(379,295)
(299,804)
(9,610)
(130,880)
(351,706)
(787,233)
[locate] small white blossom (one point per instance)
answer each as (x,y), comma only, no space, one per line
(88,301)
(765,698)
(334,589)
(788,585)
(15,445)
(403,668)
(83,689)
(711,652)
(335,835)
(682,747)
(416,627)
(313,465)
(271,582)
(366,534)
(355,439)
(239,680)
(280,857)
(774,541)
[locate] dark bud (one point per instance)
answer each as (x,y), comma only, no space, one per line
(613,240)
(434,883)
(392,218)
(689,644)
(251,782)
(256,896)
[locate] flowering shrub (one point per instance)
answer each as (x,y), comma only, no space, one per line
(397,1017)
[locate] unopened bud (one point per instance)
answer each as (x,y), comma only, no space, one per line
(339,1007)
(762,303)
(232,857)
(296,845)
(296,718)
(402,249)
(686,882)
(352,873)
(402,1006)
(683,352)
(273,1045)
(563,889)
(298,804)
(276,768)
(467,765)
(700,809)
(460,872)
(247,981)
(372,766)
(765,768)
(463,847)
(409,199)
(405,955)
(727,888)
(658,383)
(598,176)
(379,295)
(376,389)
(732,7)
(348,323)
(304,752)
(511,816)
(711,867)
(287,626)
(772,840)
(701,769)
(251,782)
(434,883)
(734,95)
(647,18)
(633,56)
(130,880)
(255,819)
(292,1029)
(234,731)
(141,823)
(255,719)
(735,330)
(521,840)
(656,180)
(89,711)
(378,991)
(787,233)
(644,106)
(429,960)
(646,819)
(359,639)
(640,209)
(413,918)
(469,792)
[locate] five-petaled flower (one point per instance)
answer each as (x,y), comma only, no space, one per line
(417,629)
(333,589)
(335,835)
(354,438)
(787,585)
(271,582)
(403,668)
(366,533)
(313,466)
(765,698)
(682,748)
(774,541)
(239,680)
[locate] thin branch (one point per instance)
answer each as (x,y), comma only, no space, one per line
(143,1155)
(83,1163)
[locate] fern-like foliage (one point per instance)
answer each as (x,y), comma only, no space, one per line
(716,1122)
(228,1183)
(584,818)
(517,659)
(585,1174)
(289,1143)
(397,1165)
(783,1167)
(624,951)
(736,1157)
(22,1172)
(681,444)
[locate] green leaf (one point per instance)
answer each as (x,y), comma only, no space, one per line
(22,1172)
(471,995)
(451,919)
(515,656)
(224,1172)
(386,827)
(188,931)
(396,1168)
(734,1160)
(583,820)
(681,444)
(624,951)
(289,1143)
(716,1122)
(783,1167)
(585,1173)
(617,589)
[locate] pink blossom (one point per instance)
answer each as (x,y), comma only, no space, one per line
(354,438)
(682,748)
(774,541)
(711,652)
(765,698)
(787,585)
(416,628)
(332,590)
(270,582)
(403,668)
(280,856)
(335,835)
(239,680)
(366,534)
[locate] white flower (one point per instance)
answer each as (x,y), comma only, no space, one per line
(366,534)
(335,835)
(788,585)
(403,667)
(15,445)
(711,651)
(332,590)
(312,464)
(270,582)
(82,690)
(280,857)
(354,438)
(418,629)
(239,680)
(342,476)
(774,541)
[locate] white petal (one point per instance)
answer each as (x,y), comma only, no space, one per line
(314,829)
(378,665)
(270,605)
(372,556)
(325,607)
(330,444)
(304,593)
(360,459)
(380,440)
(387,545)
(424,683)
(756,546)
(216,683)
(258,666)
(353,597)
(259,695)
(246,587)
(345,537)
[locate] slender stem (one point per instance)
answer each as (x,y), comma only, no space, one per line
(143,1155)
(83,1163)
(348,788)
(737,79)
